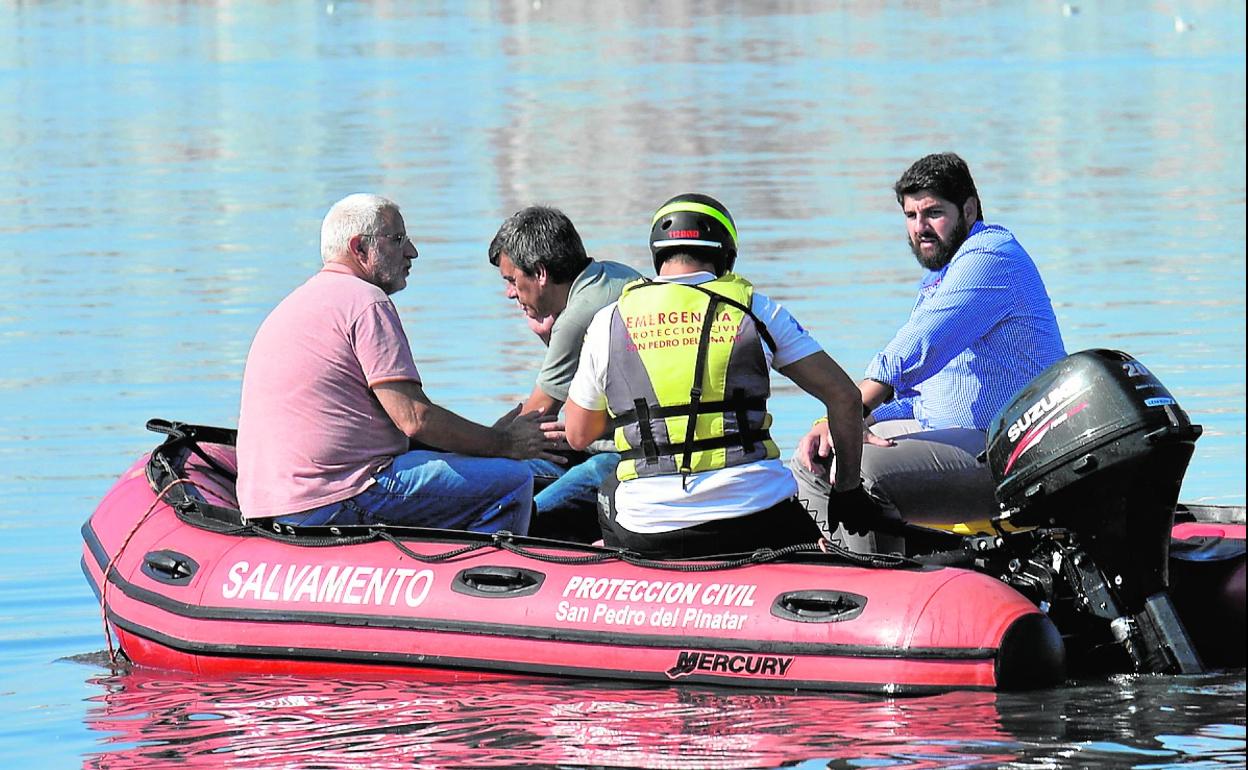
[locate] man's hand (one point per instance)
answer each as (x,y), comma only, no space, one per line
(855,510)
(556,432)
(524,437)
(502,422)
(815,448)
(870,438)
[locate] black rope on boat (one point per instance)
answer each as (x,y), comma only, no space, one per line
(187,436)
(313,541)
(873,560)
(761,556)
(434,559)
(592,558)
(505,541)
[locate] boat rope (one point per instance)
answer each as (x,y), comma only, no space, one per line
(434,558)
(504,541)
(108,568)
(867,559)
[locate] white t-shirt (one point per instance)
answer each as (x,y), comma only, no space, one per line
(660,503)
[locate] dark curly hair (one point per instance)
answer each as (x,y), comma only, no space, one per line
(945,174)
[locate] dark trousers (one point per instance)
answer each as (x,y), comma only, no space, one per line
(785,523)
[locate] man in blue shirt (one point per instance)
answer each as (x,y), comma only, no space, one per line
(981,328)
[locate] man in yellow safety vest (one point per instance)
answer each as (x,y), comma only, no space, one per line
(679,368)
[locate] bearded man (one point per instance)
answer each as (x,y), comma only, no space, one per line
(981,328)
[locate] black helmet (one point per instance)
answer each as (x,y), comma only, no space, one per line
(697,224)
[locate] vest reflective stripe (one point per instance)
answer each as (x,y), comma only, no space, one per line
(654,339)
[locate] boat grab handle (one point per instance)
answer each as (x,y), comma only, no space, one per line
(169,567)
(818,606)
(497,582)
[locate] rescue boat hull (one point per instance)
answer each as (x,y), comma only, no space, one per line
(182,596)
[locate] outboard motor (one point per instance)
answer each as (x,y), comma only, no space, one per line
(1092,452)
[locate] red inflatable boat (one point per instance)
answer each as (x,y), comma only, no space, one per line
(185,584)
(1090,563)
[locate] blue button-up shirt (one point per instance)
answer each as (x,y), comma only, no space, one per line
(981,329)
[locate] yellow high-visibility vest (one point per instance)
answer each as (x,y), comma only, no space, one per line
(677,349)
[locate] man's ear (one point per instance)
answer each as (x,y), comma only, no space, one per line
(539,272)
(970,210)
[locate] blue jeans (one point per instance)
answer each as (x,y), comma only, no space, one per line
(574,487)
(440,490)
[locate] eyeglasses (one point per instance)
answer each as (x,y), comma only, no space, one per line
(398,239)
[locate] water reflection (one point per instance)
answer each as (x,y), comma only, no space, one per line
(296,722)
(256,721)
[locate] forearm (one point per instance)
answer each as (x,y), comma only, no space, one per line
(873,393)
(824,379)
(431,425)
(845,425)
(583,426)
(539,401)
(442,428)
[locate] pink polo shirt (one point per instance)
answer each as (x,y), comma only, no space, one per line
(310,430)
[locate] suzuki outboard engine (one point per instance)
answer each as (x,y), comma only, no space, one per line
(1092,452)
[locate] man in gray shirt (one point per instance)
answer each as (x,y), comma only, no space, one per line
(545,269)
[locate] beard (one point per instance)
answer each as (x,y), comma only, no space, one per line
(391,277)
(944,249)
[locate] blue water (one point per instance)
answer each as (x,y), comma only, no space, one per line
(168,165)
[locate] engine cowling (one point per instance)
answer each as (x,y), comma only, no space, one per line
(1097,445)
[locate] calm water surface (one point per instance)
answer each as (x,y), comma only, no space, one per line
(168,165)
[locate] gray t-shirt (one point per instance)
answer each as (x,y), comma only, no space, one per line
(598,285)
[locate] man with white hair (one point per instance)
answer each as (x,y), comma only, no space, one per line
(332,399)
